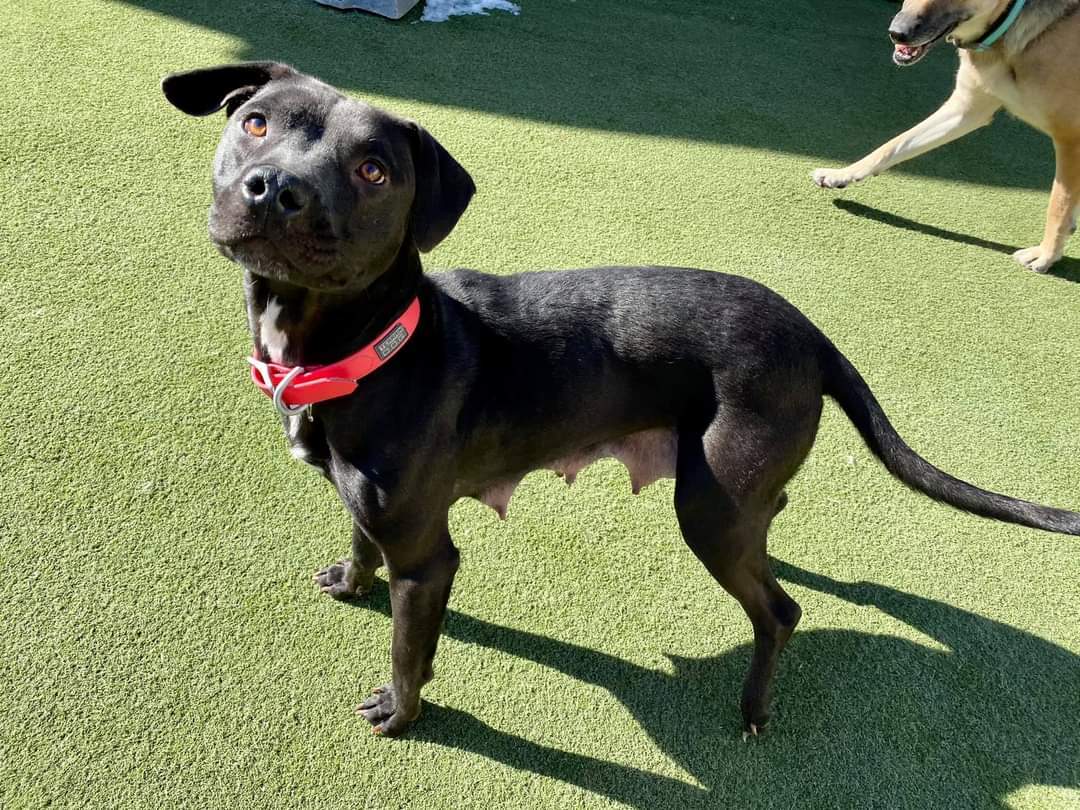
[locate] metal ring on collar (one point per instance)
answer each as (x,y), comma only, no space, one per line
(279,392)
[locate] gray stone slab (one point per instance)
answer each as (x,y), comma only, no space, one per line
(394,9)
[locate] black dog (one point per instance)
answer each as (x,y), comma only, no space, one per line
(327,203)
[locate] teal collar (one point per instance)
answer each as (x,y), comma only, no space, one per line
(999,28)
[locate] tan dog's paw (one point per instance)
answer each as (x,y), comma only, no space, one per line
(1036,259)
(833,178)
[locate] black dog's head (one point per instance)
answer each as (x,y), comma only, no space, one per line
(312,187)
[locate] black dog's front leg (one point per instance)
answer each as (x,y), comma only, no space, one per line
(355,576)
(418,595)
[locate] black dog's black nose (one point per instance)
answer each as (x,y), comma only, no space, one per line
(269,186)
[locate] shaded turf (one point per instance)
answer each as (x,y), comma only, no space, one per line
(160,642)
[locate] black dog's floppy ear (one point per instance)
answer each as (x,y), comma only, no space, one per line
(443,190)
(207,90)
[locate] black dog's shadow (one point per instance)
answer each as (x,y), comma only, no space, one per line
(1067,268)
(995,712)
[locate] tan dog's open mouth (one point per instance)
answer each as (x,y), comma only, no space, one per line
(905,55)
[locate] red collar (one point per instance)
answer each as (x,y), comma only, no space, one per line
(293,388)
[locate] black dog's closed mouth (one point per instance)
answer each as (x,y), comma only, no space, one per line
(306,250)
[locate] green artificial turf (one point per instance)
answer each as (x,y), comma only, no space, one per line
(161,644)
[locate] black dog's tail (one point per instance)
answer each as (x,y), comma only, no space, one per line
(844,384)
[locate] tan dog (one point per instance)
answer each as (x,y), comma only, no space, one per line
(1023,56)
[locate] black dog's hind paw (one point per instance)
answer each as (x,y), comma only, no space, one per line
(752,730)
(344,580)
(381,710)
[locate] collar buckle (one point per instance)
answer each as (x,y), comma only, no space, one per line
(278,391)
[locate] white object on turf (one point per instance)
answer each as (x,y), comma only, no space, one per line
(442,10)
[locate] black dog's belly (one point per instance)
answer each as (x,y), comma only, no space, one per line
(648,455)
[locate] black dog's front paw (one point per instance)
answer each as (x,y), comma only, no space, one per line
(345,580)
(382,711)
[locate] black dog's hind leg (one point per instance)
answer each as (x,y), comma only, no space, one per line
(725,519)
(781,504)
(355,576)
(419,590)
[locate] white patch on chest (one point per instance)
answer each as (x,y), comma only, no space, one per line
(272,337)
(297,447)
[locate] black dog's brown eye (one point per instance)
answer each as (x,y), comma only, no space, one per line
(372,172)
(255,125)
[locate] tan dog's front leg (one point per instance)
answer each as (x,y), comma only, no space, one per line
(1061,214)
(966,110)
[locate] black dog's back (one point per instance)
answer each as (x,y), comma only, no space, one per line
(686,330)
(641,314)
